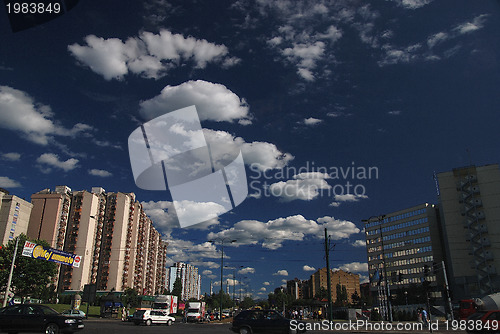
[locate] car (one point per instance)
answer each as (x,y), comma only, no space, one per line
(484,322)
(76,313)
(263,321)
(150,317)
(37,318)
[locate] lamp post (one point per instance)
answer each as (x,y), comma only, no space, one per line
(221,240)
(379,219)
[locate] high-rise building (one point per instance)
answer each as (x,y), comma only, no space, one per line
(14,216)
(319,280)
(190,279)
(49,216)
(119,245)
(298,289)
(469,199)
(407,241)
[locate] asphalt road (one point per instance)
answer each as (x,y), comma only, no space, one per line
(104,326)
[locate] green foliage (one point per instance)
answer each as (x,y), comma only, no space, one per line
(130,297)
(341,295)
(247,303)
(213,301)
(278,298)
(356,299)
(31,277)
(321,294)
(177,289)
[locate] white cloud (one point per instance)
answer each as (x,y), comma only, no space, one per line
(52,160)
(272,234)
(412,4)
(263,289)
(436,39)
(164,215)
(148,55)
(394,112)
(12,156)
(246,270)
(207,272)
(359,243)
(100,172)
(312,121)
(308,268)
(354,267)
(20,113)
(476,24)
(266,283)
(214,102)
(6,182)
(339,199)
(281,272)
(305,186)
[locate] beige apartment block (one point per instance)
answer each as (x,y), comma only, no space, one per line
(14,216)
(470,207)
(319,280)
(80,240)
(49,216)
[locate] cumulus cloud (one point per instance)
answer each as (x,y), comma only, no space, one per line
(164,214)
(312,121)
(100,172)
(202,255)
(274,233)
(281,272)
(20,113)
(214,102)
(308,268)
(148,55)
(52,160)
(266,283)
(354,267)
(6,182)
(305,186)
(359,243)
(471,26)
(339,199)
(247,270)
(12,156)
(412,4)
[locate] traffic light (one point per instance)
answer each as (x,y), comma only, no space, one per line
(426,270)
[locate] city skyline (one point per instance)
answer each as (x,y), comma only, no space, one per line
(342,110)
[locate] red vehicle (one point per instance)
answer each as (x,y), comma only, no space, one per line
(467,307)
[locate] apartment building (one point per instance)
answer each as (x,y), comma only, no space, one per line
(469,199)
(298,289)
(119,244)
(190,279)
(319,280)
(14,216)
(406,242)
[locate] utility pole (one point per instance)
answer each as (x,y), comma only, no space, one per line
(7,289)
(329,284)
(447,291)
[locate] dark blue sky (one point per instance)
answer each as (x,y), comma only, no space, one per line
(408,87)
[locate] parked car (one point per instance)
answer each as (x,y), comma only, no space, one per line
(489,322)
(37,318)
(150,317)
(262,321)
(76,313)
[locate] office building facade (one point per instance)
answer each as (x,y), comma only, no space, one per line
(469,200)
(406,242)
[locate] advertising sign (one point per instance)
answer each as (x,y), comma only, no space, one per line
(49,254)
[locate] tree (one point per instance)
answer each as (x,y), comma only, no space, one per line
(213,301)
(31,277)
(341,295)
(130,297)
(247,303)
(321,294)
(177,289)
(356,299)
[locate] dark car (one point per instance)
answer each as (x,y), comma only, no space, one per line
(484,322)
(37,318)
(264,321)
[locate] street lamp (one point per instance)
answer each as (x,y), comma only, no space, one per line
(221,240)
(379,219)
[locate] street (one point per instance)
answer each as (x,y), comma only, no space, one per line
(117,327)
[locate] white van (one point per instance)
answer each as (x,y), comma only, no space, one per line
(150,317)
